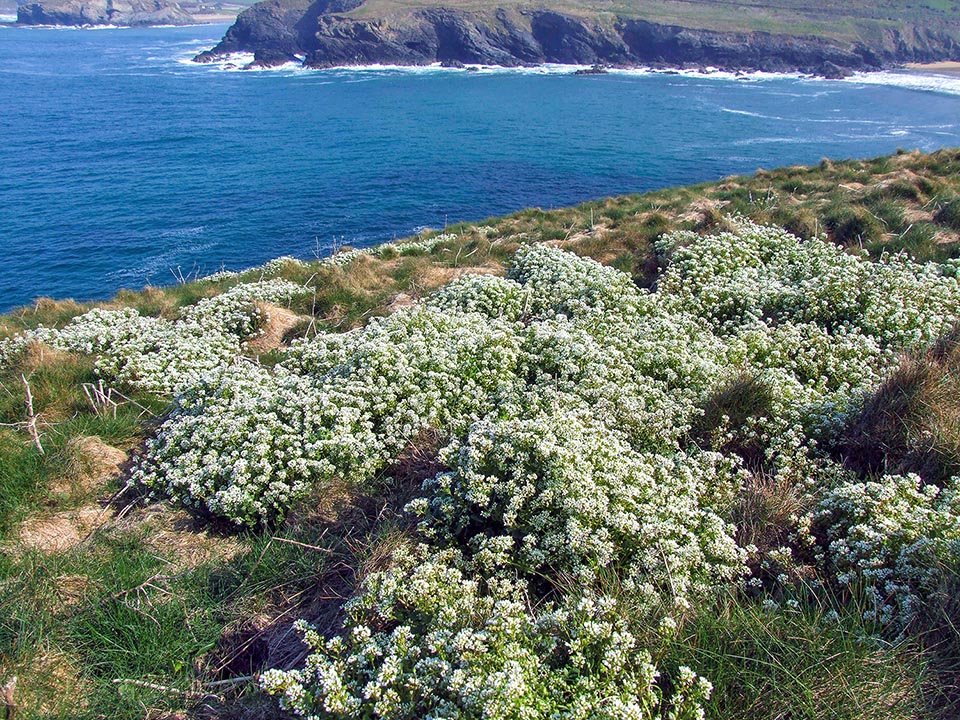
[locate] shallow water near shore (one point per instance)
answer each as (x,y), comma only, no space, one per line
(124,164)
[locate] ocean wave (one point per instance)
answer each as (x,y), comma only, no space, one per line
(922,81)
(242,61)
(748,113)
(233,62)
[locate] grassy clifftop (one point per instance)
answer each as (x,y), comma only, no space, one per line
(580,463)
(855,20)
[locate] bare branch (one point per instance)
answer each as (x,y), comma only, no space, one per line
(31,416)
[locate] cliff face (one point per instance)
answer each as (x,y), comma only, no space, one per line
(321,35)
(102,12)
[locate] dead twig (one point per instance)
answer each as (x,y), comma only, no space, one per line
(303,545)
(231,681)
(189,694)
(31,423)
(145,584)
(101,399)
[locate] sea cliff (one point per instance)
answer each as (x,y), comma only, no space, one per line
(102,12)
(347,32)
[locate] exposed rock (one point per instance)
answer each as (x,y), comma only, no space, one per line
(102,12)
(598,69)
(832,71)
(323,34)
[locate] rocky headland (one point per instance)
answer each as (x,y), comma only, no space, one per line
(81,13)
(329,33)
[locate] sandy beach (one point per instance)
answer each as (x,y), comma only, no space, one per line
(937,68)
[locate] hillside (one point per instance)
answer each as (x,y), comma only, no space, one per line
(124,13)
(824,38)
(648,457)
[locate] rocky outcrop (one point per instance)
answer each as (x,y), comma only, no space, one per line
(102,12)
(323,34)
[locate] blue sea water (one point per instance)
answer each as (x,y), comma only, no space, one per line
(121,161)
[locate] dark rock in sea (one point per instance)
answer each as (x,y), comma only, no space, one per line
(102,12)
(833,72)
(327,33)
(598,69)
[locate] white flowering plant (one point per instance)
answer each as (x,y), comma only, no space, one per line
(564,399)
(888,539)
(432,637)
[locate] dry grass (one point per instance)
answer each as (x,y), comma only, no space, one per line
(49,685)
(185,540)
(912,423)
(91,466)
(61,531)
(273,333)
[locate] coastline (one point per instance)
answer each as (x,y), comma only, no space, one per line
(949,67)
(920,77)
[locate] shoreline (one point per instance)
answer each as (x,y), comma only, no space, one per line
(924,77)
(948,67)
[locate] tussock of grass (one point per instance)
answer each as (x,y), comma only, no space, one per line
(912,423)
(801,664)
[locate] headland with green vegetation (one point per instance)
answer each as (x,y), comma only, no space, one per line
(125,13)
(682,454)
(831,39)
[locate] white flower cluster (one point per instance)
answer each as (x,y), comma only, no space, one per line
(759,274)
(246,444)
(280,263)
(819,325)
(218,276)
(488,295)
(564,494)
(889,539)
(236,311)
(159,355)
(400,247)
(427,638)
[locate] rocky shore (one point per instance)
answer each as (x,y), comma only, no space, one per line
(327,33)
(82,13)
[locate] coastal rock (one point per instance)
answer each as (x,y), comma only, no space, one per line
(329,33)
(82,13)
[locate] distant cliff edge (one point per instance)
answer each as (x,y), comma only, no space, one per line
(82,13)
(329,33)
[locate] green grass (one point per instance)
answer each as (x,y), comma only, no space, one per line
(800,664)
(912,423)
(851,21)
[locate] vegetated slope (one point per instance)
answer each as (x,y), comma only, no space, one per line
(830,39)
(548,488)
(136,13)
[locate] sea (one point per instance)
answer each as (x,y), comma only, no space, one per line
(122,163)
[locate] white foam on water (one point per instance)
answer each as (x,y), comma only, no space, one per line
(748,113)
(921,81)
(710,73)
(243,61)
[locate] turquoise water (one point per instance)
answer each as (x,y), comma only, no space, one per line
(121,162)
